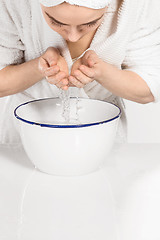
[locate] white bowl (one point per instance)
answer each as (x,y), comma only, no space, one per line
(59,149)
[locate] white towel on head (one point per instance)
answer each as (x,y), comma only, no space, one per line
(95,4)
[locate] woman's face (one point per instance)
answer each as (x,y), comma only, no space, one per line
(73,22)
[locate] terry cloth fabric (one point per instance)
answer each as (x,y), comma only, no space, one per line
(128,38)
(85,3)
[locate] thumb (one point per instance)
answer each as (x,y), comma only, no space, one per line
(91,62)
(90,58)
(42,64)
(51,56)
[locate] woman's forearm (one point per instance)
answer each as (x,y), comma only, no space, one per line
(125,84)
(17,78)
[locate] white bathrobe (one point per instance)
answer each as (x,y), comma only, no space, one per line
(128,38)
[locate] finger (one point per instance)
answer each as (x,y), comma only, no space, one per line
(52,71)
(82,77)
(55,79)
(88,55)
(65,88)
(90,59)
(52,55)
(89,72)
(64,82)
(75,82)
(91,62)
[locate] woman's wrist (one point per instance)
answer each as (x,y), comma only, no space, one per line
(36,68)
(106,72)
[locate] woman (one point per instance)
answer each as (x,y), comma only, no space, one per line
(109,49)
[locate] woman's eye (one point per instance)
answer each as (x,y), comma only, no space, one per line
(57,24)
(91,24)
(87,25)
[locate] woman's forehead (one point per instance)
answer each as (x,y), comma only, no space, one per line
(68,14)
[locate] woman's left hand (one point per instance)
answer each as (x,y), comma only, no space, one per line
(85,70)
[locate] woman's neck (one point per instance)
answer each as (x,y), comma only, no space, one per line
(77,48)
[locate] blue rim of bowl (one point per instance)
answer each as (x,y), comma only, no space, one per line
(64,126)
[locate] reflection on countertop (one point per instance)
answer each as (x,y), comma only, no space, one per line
(98,206)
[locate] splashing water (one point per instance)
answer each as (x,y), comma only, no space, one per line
(66,108)
(77,116)
(65,97)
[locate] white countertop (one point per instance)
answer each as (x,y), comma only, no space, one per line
(118,202)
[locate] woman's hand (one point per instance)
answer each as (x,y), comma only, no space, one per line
(85,69)
(54,68)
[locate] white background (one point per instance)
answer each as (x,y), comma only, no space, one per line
(143,122)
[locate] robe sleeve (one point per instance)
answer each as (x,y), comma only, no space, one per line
(11,46)
(143,50)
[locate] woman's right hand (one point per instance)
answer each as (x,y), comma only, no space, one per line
(54,68)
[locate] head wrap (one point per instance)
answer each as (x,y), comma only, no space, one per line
(95,4)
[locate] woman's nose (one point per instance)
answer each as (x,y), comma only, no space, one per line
(73,35)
